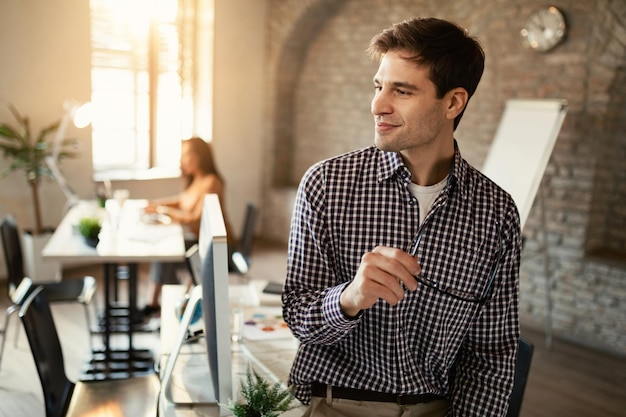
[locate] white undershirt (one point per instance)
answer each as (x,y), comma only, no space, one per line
(426,195)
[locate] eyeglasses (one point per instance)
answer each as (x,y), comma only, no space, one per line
(453,292)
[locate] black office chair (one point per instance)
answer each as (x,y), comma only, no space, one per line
(522,368)
(16,296)
(241,256)
(137,396)
(19,286)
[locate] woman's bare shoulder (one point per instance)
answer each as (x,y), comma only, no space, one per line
(210,184)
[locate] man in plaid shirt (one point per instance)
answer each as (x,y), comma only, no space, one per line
(403,268)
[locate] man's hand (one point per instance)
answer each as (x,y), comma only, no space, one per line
(383,273)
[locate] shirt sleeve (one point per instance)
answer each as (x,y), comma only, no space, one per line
(482,380)
(311,296)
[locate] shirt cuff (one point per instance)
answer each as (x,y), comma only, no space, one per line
(331,309)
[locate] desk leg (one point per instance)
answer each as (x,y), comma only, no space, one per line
(109,363)
(132,303)
(109,278)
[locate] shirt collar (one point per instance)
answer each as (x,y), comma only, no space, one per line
(459,174)
(391,164)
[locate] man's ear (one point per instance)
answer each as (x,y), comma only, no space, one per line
(456,100)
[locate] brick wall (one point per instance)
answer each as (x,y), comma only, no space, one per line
(318,106)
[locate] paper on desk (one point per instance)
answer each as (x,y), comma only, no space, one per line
(265,323)
(151,233)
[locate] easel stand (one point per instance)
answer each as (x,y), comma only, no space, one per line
(517,161)
(547,268)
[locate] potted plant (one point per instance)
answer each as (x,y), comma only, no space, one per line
(28,154)
(260,399)
(89,228)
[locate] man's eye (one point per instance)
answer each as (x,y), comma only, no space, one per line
(378,87)
(403,92)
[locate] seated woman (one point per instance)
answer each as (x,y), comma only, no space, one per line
(198,167)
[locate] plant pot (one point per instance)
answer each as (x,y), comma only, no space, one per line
(91,241)
(34,265)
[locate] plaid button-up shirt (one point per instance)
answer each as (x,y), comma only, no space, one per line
(429,342)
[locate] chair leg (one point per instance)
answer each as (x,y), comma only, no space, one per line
(17,333)
(4,337)
(89,332)
(96,329)
(12,309)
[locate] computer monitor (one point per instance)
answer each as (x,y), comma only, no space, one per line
(212,295)
(213,251)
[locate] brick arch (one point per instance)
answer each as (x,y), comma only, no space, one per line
(291,58)
(606,124)
(606,232)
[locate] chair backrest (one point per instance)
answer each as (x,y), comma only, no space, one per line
(12,246)
(247,234)
(46,348)
(239,261)
(522,368)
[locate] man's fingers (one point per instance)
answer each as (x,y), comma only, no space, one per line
(384,274)
(399,264)
(381,283)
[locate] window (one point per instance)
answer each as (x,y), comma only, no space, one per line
(143,66)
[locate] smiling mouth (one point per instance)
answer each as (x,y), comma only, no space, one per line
(383,127)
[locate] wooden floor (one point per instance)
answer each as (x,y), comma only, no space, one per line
(566,381)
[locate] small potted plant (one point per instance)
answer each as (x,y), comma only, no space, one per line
(89,228)
(260,399)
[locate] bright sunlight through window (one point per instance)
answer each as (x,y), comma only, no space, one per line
(142,82)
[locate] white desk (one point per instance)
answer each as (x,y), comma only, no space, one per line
(132,242)
(270,358)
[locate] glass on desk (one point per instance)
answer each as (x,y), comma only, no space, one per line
(242,295)
(120,196)
(236,318)
(113,215)
(120,212)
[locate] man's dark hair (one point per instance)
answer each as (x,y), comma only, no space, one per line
(455,58)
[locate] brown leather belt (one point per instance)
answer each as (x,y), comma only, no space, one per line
(319,390)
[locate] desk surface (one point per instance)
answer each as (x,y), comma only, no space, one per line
(133,240)
(271,358)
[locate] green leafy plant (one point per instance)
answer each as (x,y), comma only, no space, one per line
(90,227)
(260,398)
(29,154)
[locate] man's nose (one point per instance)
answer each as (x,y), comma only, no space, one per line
(381,103)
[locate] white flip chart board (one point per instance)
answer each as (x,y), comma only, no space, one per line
(522,147)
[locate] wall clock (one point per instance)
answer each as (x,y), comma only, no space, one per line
(544,29)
